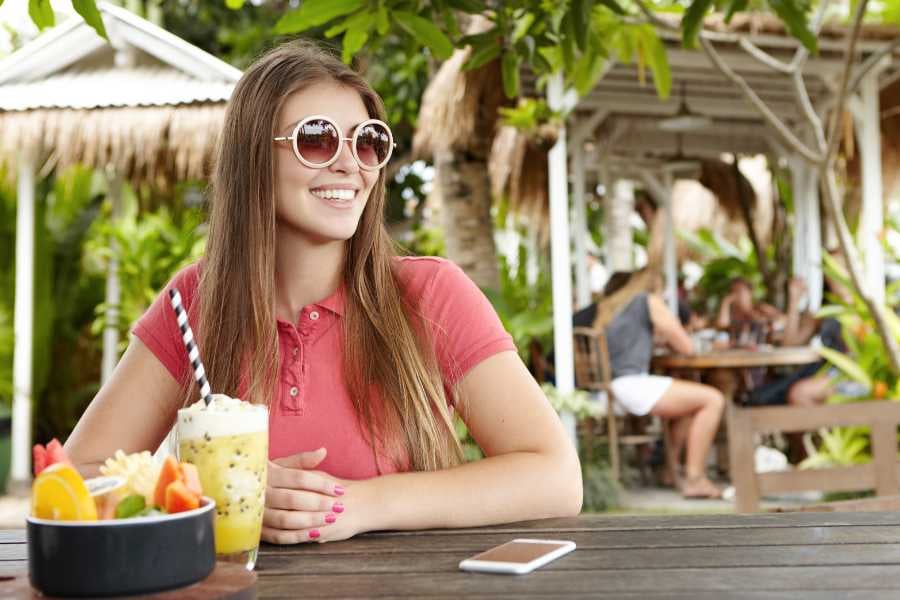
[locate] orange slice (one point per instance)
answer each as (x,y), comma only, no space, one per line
(59,493)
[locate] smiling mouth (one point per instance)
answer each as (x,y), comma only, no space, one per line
(344,195)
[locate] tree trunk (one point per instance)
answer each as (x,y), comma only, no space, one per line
(465,193)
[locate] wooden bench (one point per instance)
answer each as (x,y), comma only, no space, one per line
(881,475)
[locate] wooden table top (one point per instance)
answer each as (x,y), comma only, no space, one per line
(789,555)
(738,358)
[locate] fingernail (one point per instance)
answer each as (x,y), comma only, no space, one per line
(338,490)
(330,518)
(314,534)
(338,507)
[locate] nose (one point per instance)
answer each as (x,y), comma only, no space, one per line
(346,162)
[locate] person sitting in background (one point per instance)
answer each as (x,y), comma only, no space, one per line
(739,315)
(695,409)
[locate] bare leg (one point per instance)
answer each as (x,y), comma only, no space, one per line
(678,433)
(809,391)
(704,405)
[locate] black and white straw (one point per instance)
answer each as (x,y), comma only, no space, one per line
(187,336)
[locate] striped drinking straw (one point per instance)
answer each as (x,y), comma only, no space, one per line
(187,336)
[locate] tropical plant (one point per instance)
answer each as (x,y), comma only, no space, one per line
(722,262)
(149,249)
(864,364)
(525,307)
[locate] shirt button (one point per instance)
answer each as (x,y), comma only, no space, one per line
(314,315)
(295,351)
(294,391)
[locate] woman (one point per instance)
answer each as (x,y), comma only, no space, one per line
(695,409)
(362,357)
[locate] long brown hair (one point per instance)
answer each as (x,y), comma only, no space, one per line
(390,367)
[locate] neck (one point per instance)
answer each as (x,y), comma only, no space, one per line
(305,272)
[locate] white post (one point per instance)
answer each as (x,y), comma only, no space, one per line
(560,257)
(23,325)
(871,223)
(815,279)
(620,205)
(671,262)
(113,292)
(579,230)
(800,189)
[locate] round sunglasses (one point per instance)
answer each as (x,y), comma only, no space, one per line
(318,141)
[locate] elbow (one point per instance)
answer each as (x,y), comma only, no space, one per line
(570,487)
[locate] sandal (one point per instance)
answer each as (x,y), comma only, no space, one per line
(700,488)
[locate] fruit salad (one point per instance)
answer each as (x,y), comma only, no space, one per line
(132,485)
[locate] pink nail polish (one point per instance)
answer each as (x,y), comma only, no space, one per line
(330,518)
(338,507)
(314,534)
(338,490)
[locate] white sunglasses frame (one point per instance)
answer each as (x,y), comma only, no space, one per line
(341,139)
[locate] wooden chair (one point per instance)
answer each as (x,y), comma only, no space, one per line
(593,372)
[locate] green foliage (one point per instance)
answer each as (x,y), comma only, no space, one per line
(66,358)
(150,248)
(793,13)
(525,308)
(864,363)
(41,13)
(722,262)
(840,447)
(88,11)
(576,402)
(601,492)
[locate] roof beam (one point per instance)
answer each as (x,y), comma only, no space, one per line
(648,104)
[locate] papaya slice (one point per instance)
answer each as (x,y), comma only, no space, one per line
(170,472)
(191,478)
(179,498)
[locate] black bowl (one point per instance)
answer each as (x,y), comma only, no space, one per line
(121,556)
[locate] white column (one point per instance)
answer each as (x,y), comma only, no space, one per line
(113,292)
(800,191)
(579,230)
(560,257)
(620,205)
(871,223)
(814,276)
(23,324)
(671,262)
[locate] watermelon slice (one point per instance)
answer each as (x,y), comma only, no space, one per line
(43,457)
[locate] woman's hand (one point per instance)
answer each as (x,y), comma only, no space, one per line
(303,505)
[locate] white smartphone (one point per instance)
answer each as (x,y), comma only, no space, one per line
(518,556)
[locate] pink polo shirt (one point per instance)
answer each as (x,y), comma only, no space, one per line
(313,408)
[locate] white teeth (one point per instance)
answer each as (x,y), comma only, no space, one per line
(337,194)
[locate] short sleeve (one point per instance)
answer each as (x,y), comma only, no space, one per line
(158,328)
(465,327)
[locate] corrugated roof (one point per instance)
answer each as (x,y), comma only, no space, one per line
(113,87)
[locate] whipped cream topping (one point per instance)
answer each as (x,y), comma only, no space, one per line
(224,416)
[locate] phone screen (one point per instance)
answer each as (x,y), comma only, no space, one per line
(518,552)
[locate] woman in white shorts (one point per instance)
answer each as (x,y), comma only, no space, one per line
(694,408)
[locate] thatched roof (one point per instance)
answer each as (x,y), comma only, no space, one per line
(157,145)
(146,102)
(459,108)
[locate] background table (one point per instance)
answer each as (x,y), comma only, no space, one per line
(739,359)
(791,555)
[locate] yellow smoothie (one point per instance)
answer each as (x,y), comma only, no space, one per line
(228,442)
(233,472)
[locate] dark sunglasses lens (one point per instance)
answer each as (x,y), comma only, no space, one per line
(317,141)
(373,144)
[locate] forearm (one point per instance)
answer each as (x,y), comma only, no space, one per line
(723,319)
(500,489)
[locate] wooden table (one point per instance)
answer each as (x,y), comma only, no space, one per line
(764,556)
(739,359)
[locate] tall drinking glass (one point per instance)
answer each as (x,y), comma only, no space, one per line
(228,441)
